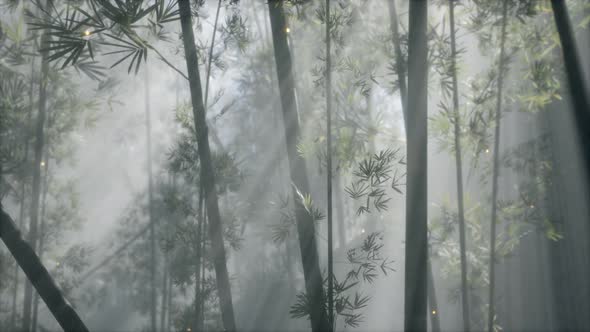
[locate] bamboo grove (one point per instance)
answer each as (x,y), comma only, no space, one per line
(294,165)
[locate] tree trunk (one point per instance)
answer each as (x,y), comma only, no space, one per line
(491,307)
(207,175)
(416,200)
(298,173)
(459,168)
(36,193)
(24,254)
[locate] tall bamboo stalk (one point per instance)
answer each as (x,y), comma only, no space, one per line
(148,128)
(210,58)
(207,176)
(165,295)
(38,156)
(459,169)
(435,311)
(21,218)
(400,68)
(213,133)
(203,239)
(199,264)
(491,308)
(43,227)
(340,211)
(416,192)
(169,306)
(329,167)
(434,307)
(297,169)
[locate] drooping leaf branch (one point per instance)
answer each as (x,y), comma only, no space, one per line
(373,176)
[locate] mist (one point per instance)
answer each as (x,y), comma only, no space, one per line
(337,165)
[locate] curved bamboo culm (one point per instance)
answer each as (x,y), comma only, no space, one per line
(26,258)
(491,307)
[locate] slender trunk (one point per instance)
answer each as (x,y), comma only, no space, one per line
(266,28)
(148,127)
(491,307)
(329,167)
(340,212)
(289,262)
(169,306)
(43,226)
(213,132)
(210,58)
(207,175)
(459,168)
(416,200)
(434,308)
(36,192)
(199,256)
(165,295)
(200,265)
(16,274)
(252,6)
(114,255)
(576,83)
(201,322)
(24,254)
(298,173)
(371,220)
(400,68)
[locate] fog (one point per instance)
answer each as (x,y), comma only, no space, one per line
(164,199)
